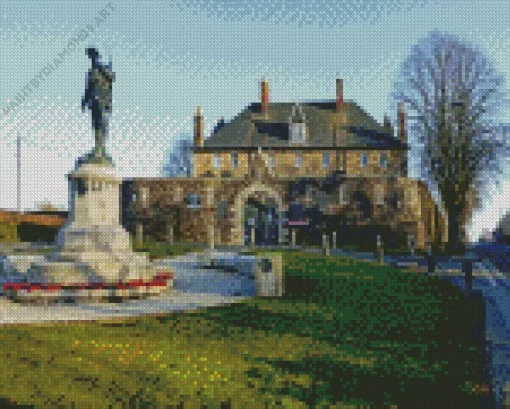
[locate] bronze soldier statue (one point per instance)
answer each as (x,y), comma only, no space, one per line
(98,98)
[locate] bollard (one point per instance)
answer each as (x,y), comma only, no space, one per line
(379,250)
(410,244)
(170,234)
(252,235)
(431,260)
(431,263)
(333,241)
(293,237)
(325,245)
(467,268)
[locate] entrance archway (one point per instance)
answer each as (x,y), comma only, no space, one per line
(258,216)
(261,222)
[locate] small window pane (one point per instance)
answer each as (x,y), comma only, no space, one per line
(234,160)
(363,160)
(384,160)
(325,159)
(193,201)
(217,161)
(272,162)
(298,160)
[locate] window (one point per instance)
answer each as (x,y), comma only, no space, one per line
(325,160)
(193,201)
(302,133)
(271,161)
(81,187)
(222,210)
(298,161)
(217,162)
(363,160)
(234,160)
(297,133)
(383,159)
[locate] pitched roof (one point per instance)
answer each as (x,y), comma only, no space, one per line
(250,128)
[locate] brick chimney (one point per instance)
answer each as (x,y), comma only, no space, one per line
(339,95)
(198,132)
(402,131)
(264,96)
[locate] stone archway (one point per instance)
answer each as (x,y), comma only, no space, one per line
(263,194)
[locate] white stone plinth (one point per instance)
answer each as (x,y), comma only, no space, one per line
(93,246)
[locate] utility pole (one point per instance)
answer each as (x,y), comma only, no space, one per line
(18,167)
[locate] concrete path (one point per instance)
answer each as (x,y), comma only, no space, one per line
(194,288)
(173,301)
(191,279)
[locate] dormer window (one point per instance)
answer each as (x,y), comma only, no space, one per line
(297,126)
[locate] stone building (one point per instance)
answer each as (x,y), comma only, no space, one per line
(281,173)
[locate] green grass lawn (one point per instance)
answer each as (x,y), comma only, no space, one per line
(346,334)
(160,250)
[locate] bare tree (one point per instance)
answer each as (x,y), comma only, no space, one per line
(180,159)
(452,94)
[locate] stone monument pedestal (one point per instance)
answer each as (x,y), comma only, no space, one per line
(93,247)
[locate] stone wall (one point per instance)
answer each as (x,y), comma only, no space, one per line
(398,203)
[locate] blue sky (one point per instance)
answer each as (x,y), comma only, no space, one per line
(172,56)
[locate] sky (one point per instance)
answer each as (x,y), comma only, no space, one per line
(171,56)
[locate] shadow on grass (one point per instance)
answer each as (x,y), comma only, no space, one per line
(424,337)
(7,404)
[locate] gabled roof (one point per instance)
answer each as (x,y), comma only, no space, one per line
(251,128)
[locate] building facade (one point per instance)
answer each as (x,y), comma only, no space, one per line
(282,173)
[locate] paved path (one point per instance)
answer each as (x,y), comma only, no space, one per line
(496,292)
(193,289)
(173,301)
(190,278)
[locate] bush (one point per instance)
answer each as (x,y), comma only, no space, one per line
(8,232)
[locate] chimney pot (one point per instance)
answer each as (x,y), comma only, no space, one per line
(264,96)
(402,123)
(198,133)
(339,95)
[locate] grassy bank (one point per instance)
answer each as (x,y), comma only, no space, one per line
(346,333)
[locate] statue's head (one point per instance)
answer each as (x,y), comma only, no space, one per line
(92,53)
